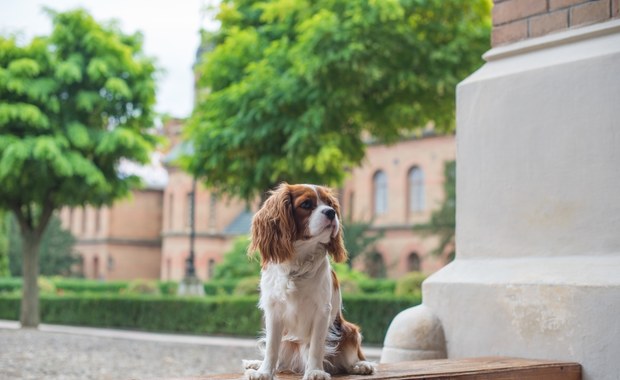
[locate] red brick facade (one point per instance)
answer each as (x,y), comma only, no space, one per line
(147,236)
(515,20)
(120,242)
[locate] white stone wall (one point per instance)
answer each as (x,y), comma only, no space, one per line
(537,272)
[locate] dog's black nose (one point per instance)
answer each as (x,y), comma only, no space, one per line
(329,213)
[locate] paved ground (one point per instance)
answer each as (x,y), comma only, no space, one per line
(77,353)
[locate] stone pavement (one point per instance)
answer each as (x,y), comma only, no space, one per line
(81,353)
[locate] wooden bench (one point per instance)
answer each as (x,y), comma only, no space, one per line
(487,368)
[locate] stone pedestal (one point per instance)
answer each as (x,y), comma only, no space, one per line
(191,286)
(537,270)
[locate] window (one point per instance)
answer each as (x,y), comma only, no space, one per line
(380,192)
(210,269)
(416,190)
(375,265)
(84,220)
(110,264)
(71,219)
(212,213)
(413,262)
(98,219)
(169,268)
(96,272)
(170,210)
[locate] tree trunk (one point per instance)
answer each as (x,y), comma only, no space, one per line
(30,315)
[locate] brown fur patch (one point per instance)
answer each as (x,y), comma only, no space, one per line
(335,283)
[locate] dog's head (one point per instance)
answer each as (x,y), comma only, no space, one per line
(296,213)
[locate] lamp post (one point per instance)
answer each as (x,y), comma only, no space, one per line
(191,284)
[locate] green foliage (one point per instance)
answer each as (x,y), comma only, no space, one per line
(236,264)
(410,284)
(377,286)
(10,284)
(73,285)
(374,313)
(229,315)
(220,287)
(4,244)
(359,239)
(46,286)
(73,104)
(141,286)
(288,88)
(168,287)
(247,286)
(56,254)
(443,220)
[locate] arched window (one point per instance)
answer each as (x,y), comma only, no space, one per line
(96,272)
(413,262)
(375,265)
(416,190)
(210,269)
(380,192)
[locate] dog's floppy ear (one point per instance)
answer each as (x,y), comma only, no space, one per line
(273,227)
(336,247)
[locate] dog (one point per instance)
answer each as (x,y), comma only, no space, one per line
(296,230)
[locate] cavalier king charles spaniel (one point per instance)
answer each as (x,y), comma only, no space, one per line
(296,230)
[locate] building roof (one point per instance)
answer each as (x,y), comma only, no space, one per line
(241,224)
(184,148)
(153,175)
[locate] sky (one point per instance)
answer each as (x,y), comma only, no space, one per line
(170,28)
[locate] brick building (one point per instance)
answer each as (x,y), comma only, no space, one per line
(147,235)
(397,187)
(122,241)
(516,20)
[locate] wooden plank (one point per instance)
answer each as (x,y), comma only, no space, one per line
(487,368)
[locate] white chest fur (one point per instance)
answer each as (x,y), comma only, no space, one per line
(296,293)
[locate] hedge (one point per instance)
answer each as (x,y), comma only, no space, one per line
(212,288)
(226,315)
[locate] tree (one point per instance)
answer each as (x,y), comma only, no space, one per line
(287,89)
(56,254)
(358,238)
(4,244)
(443,220)
(73,105)
(236,264)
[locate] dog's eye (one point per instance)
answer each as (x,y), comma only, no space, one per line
(307,204)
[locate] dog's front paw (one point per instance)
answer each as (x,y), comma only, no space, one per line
(252,364)
(316,374)
(363,368)
(252,374)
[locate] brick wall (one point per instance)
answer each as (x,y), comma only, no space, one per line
(515,20)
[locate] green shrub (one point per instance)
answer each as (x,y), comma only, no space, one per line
(46,286)
(220,287)
(374,313)
(10,284)
(236,264)
(229,315)
(141,286)
(349,286)
(247,286)
(168,287)
(410,284)
(10,305)
(78,285)
(377,286)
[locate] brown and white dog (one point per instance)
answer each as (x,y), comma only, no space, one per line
(295,231)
